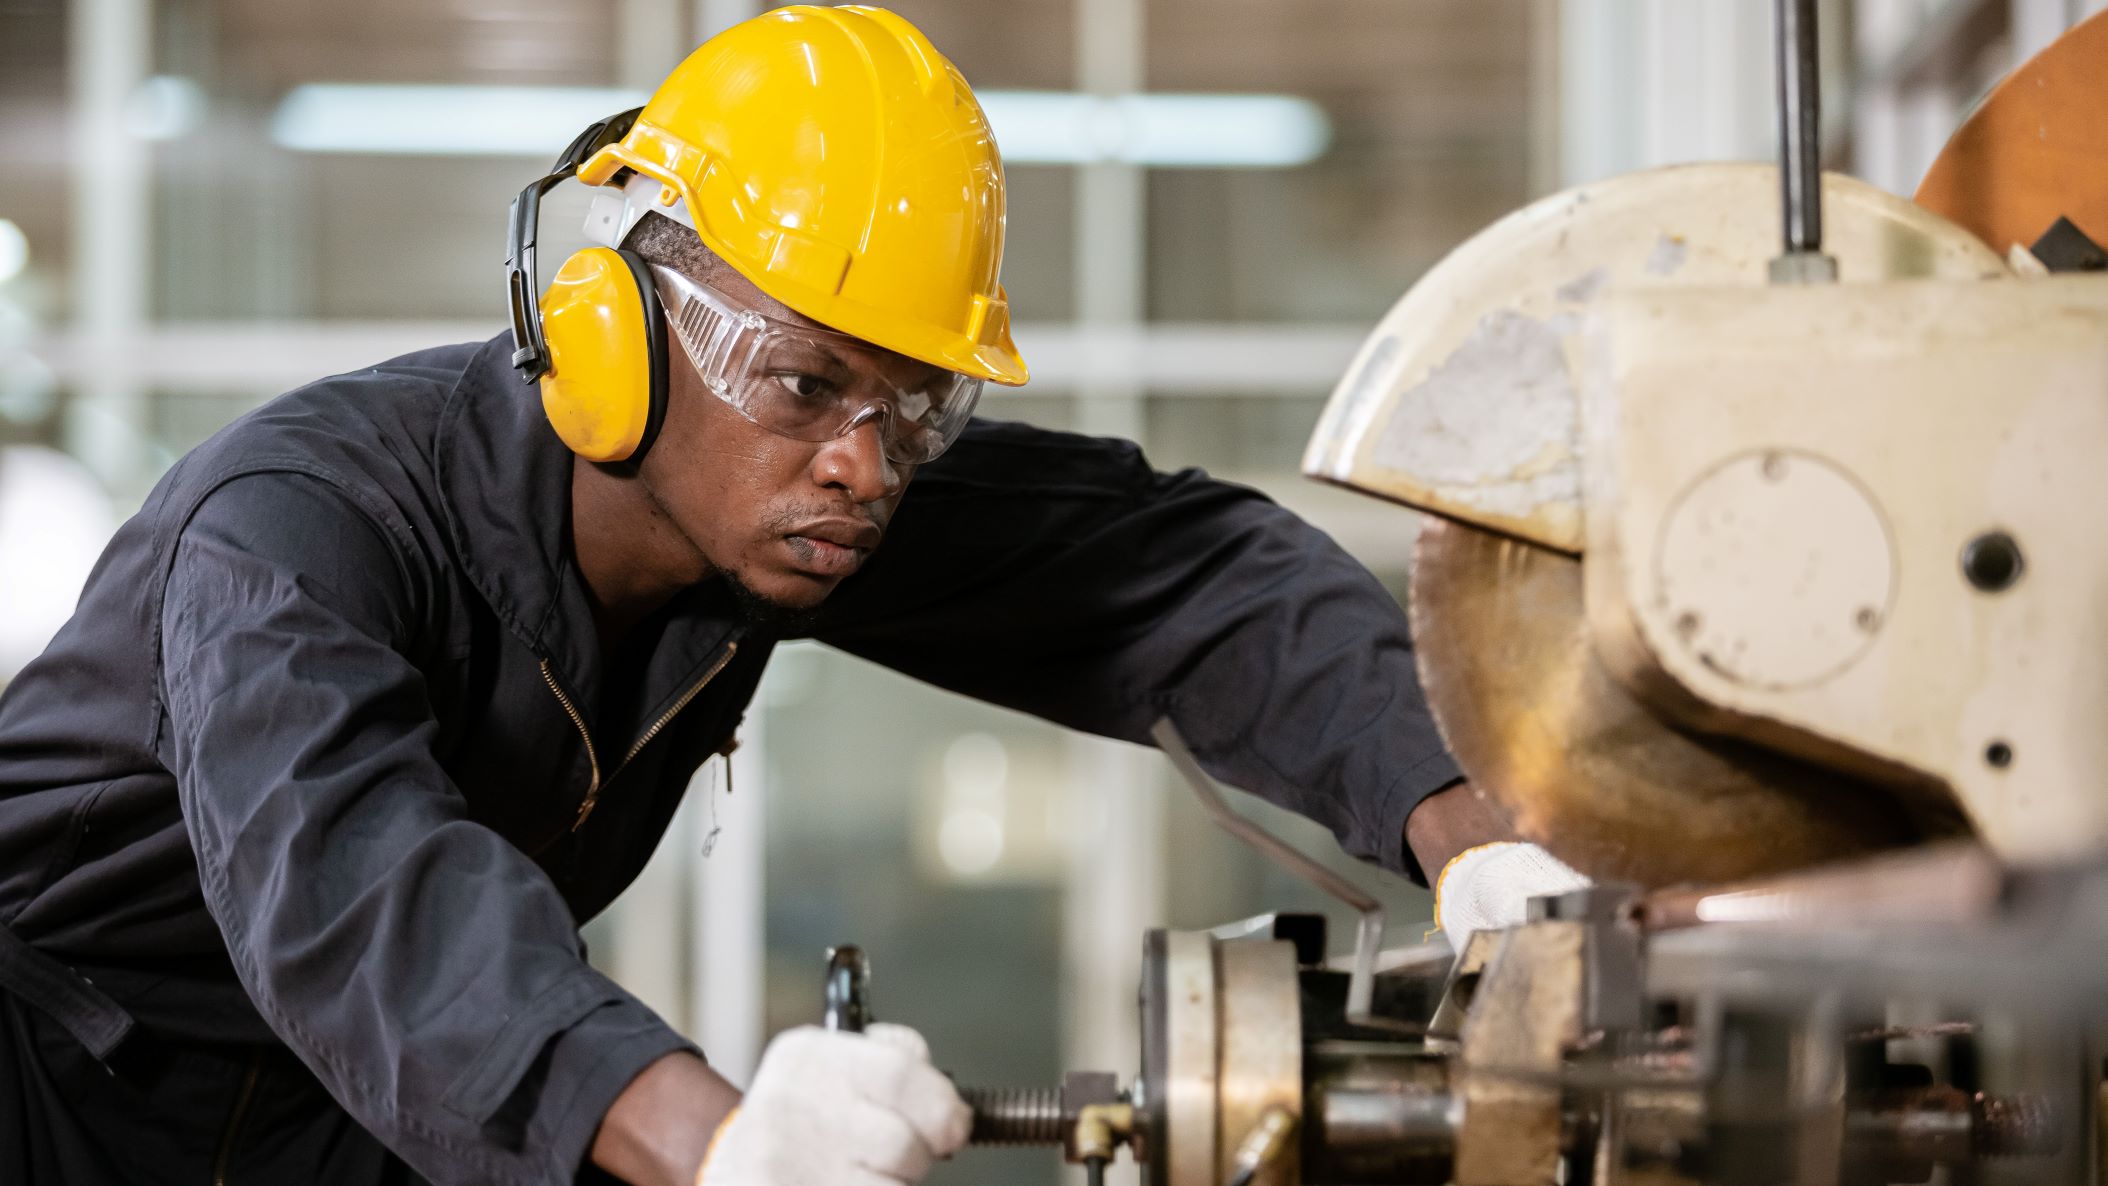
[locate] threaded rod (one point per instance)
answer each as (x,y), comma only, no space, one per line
(1015,1115)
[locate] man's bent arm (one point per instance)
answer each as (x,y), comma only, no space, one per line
(425,970)
(1060,575)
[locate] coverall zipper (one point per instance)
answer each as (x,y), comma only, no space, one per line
(596,783)
(235,1118)
(592,758)
(731,649)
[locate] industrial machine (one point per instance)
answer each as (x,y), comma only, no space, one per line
(1869,1022)
(1768,588)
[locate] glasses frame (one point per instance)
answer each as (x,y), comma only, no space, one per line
(720,335)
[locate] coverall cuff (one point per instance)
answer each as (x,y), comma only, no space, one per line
(614,1044)
(1433,773)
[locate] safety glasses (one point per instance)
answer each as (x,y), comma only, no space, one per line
(813,384)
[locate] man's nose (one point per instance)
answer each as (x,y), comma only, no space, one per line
(856,463)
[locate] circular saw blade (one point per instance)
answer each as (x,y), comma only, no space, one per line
(1581,766)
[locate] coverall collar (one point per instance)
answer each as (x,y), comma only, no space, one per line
(505,482)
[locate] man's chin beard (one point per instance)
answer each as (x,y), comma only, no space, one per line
(778,617)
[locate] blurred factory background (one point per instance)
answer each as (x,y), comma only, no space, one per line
(204,202)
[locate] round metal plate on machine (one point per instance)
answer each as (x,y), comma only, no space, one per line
(1190,1021)
(1222,1047)
(1776,569)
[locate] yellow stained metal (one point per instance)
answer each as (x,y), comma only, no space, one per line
(1261,1051)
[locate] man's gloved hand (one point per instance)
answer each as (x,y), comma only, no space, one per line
(1490,887)
(839,1109)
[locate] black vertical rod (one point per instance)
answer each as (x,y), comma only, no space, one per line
(846,993)
(1800,125)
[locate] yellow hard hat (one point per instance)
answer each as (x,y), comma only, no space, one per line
(839,162)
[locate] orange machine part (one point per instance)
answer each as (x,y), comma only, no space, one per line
(2036,148)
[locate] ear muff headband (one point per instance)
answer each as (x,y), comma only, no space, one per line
(603,322)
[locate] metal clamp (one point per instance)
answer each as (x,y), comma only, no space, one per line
(1801,260)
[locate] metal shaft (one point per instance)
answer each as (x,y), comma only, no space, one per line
(1949,884)
(1800,125)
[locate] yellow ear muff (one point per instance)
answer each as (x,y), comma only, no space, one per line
(605,391)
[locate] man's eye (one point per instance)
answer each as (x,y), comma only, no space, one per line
(804,386)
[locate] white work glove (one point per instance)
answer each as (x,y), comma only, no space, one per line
(1490,887)
(839,1109)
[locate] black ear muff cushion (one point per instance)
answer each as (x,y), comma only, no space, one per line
(655,341)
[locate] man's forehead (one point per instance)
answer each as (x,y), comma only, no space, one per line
(732,283)
(728,280)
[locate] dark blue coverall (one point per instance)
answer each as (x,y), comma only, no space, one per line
(289,886)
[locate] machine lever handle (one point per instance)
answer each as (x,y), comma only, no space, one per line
(1368,934)
(847,991)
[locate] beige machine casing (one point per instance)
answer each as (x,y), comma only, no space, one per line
(1781,489)
(1773,488)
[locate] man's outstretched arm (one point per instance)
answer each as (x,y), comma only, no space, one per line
(1060,575)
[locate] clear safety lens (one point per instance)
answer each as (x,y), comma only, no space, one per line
(813,384)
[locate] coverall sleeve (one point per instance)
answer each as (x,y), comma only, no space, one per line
(1062,576)
(420,965)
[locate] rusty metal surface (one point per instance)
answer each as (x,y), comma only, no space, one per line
(1261,1052)
(1524,1016)
(1582,767)
(2034,149)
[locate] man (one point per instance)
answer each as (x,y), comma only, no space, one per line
(398,679)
